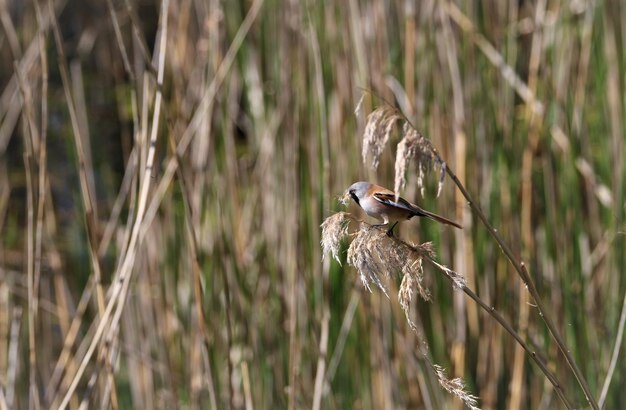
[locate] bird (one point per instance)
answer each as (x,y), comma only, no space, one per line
(380,203)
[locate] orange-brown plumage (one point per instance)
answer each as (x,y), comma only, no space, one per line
(380,203)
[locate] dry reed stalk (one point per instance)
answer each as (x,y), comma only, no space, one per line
(196,270)
(130,175)
(516,385)
(166,326)
(32,297)
(5,193)
(13,357)
(9,107)
(615,104)
(64,308)
(362,74)
(245,375)
(208,97)
(289,217)
(108,389)
(507,72)
(150,316)
(32,148)
(195,364)
(616,348)
(210,384)
(42,185)
(173,166)
(120,287)
(5,324)
(139,37)
(346,324)
(120,40)
(318,186)
(410,40)
(9,122)
(85,171)
(583,67)
(523,273)
(382,393)
(146,182)
(467,315)
(3,401)
(9,30)
(321,363)
(65,363)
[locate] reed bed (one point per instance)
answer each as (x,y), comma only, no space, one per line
(167,168)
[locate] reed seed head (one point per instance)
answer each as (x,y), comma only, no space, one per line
(456,387)
(373,254)
(334,230)
(415,147)
(377,132)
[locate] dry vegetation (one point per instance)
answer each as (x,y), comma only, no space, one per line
(165,168)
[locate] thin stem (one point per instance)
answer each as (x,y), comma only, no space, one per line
(520,267)
(84,170)
(614,356)
(196,269)
(321,362)
(125,270)
(506,325)
(537,107)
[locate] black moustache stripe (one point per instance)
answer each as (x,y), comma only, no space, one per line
(356,198)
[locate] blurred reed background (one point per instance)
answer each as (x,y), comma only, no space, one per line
(165,168)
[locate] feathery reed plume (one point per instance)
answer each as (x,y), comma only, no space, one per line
(414,146)
(457,279)
(456,387)
(334,229)
(367,254)
(373,253)
(411,281)
(412,268)
(378,129)
(412,277)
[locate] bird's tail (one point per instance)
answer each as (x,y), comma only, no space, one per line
(438,218)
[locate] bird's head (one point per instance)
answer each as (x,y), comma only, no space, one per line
(358,190)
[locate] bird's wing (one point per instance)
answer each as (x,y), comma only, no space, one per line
(389,198)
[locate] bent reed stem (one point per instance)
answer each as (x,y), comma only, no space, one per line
(558,388)
(520,268)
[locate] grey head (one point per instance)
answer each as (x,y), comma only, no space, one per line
(358,190)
